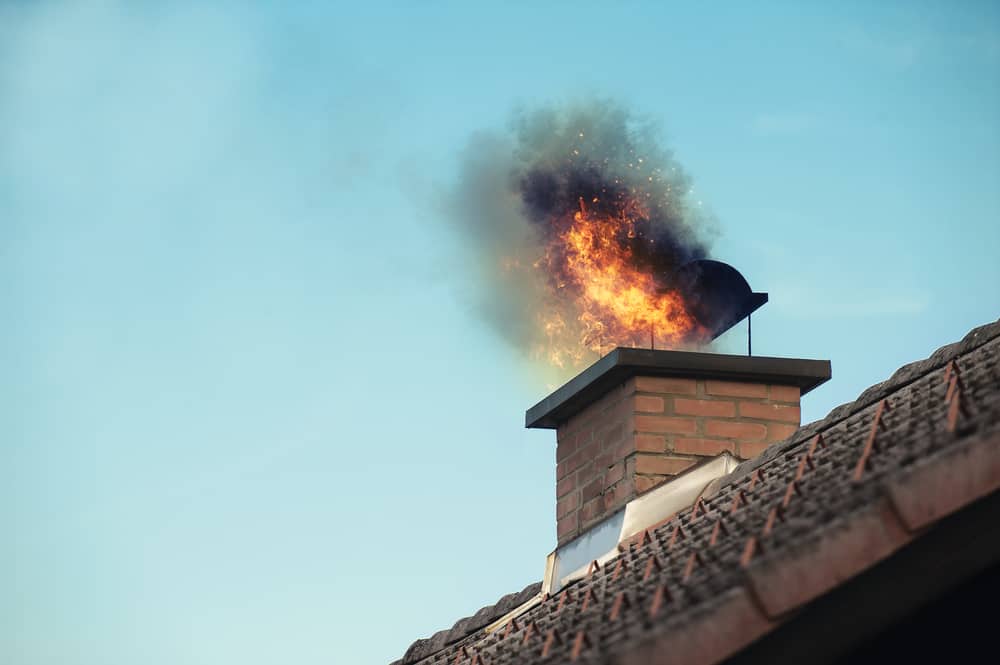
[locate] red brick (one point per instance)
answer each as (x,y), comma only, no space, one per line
(565,432)
(608,401)
(649,404)
(614,474)
(650,443)
(593,488)
(630,467)
(591,510)
(703,407)
(565,448)
(588,452)
(611,434)
(583,420)
(781,412)
(735,389)
(612,445)
(646,483)
(624,449)
(567,525)
(570,464)
(735,430)
(584,439)
(619,495)
(660,465)
(565,486)
(659,384)
(748,450)
(567,504)
(779,431)
(706,447)
(661,424)
(785,394)
(604,460)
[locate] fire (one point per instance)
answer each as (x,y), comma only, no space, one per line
(602,293)
(585,236)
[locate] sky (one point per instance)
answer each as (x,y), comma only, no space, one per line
(248,410)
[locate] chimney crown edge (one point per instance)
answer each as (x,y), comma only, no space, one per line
(623,363)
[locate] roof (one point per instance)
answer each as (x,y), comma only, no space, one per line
(623,363)
(836,500)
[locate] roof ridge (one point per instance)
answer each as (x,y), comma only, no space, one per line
(422,648)
(901,378)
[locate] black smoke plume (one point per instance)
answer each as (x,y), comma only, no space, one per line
(519,189)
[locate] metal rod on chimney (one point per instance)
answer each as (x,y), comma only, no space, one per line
(652,346)
(749,337)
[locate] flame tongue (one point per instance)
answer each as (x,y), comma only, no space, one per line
(604,290)
(582,220)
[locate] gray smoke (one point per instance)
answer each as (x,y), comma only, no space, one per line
(519,188)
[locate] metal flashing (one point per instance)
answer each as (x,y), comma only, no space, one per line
(680,591)
(600,543)
(674,496)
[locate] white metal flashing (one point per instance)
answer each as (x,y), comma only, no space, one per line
(600,543)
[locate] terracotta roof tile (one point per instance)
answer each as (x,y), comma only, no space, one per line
(779,531)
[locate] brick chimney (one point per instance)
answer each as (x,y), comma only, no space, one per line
(637,418)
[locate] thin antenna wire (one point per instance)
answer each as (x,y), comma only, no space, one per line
(749,336)
(652,346)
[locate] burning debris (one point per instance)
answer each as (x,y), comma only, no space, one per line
(586,232)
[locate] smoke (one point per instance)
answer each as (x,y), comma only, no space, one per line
(521,189)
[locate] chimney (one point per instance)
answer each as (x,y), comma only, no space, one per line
(637,418)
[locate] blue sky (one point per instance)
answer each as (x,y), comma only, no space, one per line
(248,412)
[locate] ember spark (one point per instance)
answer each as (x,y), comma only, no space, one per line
(581,220)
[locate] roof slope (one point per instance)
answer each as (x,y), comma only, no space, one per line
(834,499)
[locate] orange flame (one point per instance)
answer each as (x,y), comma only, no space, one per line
(599,297)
